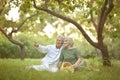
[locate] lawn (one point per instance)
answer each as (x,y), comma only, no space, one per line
(14,69)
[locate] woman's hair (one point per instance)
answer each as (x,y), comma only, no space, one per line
(70,41)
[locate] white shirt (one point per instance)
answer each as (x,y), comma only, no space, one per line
(51,58)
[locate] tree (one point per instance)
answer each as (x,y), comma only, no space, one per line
(107,6)
(15,27)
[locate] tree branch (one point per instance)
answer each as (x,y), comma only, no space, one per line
(18,28)
(92,18)
(103,15)
(10,38)
(68,20)
(1,29)
(111,6)
(46,3)
(93,21)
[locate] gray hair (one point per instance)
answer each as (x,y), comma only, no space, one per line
(61,37)
(70,41)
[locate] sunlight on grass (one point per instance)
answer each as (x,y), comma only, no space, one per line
(14,69)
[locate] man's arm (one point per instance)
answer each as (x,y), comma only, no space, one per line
(43,49)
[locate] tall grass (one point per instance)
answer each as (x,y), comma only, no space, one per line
(14,69)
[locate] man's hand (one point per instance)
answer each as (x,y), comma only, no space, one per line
(36,44)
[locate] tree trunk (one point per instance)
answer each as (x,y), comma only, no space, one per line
(21,45)
(22,53)
(105,55)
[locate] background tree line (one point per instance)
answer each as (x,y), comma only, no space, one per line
(9,50)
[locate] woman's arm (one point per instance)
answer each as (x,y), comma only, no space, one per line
(77,62)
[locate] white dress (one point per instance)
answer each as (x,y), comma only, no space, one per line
(51,59)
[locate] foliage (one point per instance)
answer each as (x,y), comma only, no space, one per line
(114,48)
(9,50)
(85,49)
(113,23)
(28,38)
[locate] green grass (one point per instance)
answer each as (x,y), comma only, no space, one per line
(14,69)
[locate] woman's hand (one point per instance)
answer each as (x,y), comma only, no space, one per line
(74,66)
(77,62)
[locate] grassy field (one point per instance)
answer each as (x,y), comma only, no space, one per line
(14,69)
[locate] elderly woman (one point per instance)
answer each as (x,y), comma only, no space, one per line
(71,55)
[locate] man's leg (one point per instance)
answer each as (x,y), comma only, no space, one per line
(53,67)
(39,67)
(42,66)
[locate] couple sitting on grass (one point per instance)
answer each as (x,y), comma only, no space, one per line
(61,56)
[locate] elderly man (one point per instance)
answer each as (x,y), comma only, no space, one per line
(51,59)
